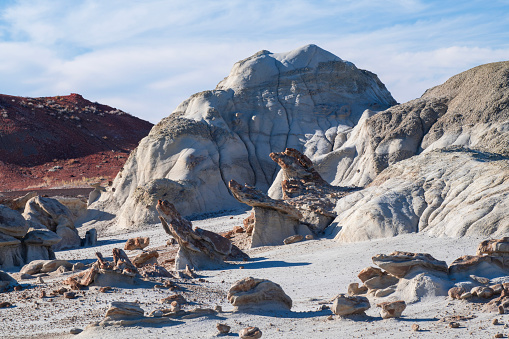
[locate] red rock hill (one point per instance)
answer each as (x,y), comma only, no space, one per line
(54,141)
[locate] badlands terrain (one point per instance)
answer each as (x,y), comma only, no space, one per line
(296,199)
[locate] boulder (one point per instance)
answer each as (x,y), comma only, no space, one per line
(251,294)
(381,281)
(18,204)
(392,309)
(482,292)
(90,238)
(55,217)
(12,223)
(198,248)
(369,272)
(293,239)
(146,258)
(250,333)
(138,243)
(120,310)
(484,266)
(400,263)
(11,252)
(344,305)
(355,289)
(45,266)
(456,292)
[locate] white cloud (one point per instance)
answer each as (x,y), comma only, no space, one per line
(145,57)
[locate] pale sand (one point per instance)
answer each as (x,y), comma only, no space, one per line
(310,272)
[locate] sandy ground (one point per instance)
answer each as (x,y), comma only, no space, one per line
(310,272)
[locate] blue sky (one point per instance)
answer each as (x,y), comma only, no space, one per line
(145,57)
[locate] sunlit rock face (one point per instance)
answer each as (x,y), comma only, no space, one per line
(307,99)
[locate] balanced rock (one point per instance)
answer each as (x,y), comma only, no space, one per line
(355,289)
(369,272)
(252,293)
(399,263)
(344,305)
(198,248)
(12,223)
(392,309)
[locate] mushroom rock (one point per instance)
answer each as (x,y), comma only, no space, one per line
(251,294)
(399,264)
(11,253)
(274,220)
(38,244)
(55,217)
(307,99)
(198,248)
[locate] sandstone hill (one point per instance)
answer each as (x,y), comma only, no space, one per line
(44,141)
(307,99)
(455,179)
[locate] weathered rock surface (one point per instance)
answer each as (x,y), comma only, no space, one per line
(454,139)
(344,305)
(250,333)
(494,247)
(12,223)
(55,217)
(124,310)
(400,263)
(392,309)
(251,293)
(137,243)
(198,248)
(307,99)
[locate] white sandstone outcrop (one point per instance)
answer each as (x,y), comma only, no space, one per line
(307,99)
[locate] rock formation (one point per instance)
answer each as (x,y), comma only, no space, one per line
(454,139)
(307,99)
(252,294)
(307,205)
(344,305)
(198,248)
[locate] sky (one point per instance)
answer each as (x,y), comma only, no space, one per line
(145,57)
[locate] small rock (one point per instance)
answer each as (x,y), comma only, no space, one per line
(309,237)
(250,333)
(70,295)
(223,328)
(171,242)
(137,243)
(499,335)
(75,330)
(466,295)
(18,288)
(218,309)
(495,321)
(330,317)
(482,292)
(392,309)
(238,229)
(354,289)
(415,327)
(42,294)
(292,239)
(480,280)
(456,292)
(62,269)
(5,304)
(501,309)
(454,324)
(157,314)
(345,305)
(174,306)
(105,289)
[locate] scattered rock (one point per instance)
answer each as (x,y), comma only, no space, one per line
(392,309)
(124,310)
(499,335)
(251,293)
(70,295)
(415,327)
(223,328)
(456,292)
(137,243)
(495,247)
(495,321)
(482,292)
(354,289)
(454,324)
(146,258)
(344,305)
(369,272)
(250,333)
(5,304)
(75,330)
(292,239)
(174,298)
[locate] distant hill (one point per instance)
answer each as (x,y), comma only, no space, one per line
(53,140)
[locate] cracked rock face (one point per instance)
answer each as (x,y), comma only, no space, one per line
(307,99)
